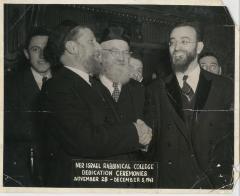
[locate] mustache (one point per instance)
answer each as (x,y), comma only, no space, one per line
(118,74)
(179,53)
(43,62)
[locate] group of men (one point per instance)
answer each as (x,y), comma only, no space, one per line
(92,109)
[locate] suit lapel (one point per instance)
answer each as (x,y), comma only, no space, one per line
(30,90)
(105,95)
(174,94)
(204,86)
(82,88)
(29,82)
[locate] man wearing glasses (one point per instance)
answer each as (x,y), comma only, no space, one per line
(124,97)
(191,118)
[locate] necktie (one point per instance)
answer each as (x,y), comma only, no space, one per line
(44,80)
(186,89)
(91,80)
(116,92)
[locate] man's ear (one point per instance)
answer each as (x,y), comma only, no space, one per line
(71,47)
(26,53)
(200,46)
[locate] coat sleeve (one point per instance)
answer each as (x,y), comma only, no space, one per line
(152,116)
(71,124)
(222,154)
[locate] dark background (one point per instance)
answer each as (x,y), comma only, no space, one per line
(148,25)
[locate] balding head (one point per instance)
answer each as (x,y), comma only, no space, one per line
(136,68)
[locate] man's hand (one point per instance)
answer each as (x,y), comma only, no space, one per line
(144,132)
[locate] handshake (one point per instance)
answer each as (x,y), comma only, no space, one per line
(144,132)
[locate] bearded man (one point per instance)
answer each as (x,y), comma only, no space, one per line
(79,125)
(191,116)
(124,97)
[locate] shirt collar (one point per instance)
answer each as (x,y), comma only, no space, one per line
(38,77)
(192,80)
(82,74)
(108,83)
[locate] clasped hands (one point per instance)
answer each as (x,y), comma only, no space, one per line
(144,132)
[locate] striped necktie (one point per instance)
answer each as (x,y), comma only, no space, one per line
(186,89)
(116,91)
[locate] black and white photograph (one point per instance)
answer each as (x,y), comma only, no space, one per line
(130,96)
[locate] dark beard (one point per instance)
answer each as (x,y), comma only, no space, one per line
(181,63)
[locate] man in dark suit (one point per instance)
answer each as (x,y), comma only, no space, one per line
(124,96)
(22,90)
(81,124)
(192,118)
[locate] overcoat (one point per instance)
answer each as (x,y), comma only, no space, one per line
(199,157)
(21,125)
(83,123)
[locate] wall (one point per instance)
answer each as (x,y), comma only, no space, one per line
(148,26)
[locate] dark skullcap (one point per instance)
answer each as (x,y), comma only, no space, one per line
(56,42)
(59,34)
(115,32)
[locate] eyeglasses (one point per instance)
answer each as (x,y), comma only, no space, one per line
(183,42)
(115,53)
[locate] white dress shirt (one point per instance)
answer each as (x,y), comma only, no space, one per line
(109,84)
(38,77)
(81,73)
(192,80)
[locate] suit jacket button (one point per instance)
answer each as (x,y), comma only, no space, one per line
(169,162)
(218,165)
(220,176)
